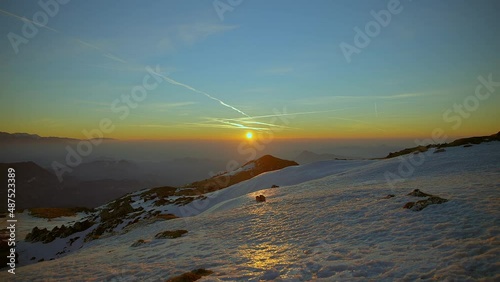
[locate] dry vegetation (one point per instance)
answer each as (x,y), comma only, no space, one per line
(57,212)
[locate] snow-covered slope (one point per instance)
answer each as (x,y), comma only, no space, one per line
(327,221)
(288,176)
(147,201)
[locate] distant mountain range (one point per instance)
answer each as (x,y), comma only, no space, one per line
(26,137)
(38,187)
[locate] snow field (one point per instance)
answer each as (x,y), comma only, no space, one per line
(337,227)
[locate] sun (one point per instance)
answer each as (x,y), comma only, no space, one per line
(249,135)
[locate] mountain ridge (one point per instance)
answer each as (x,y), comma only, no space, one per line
(467,141)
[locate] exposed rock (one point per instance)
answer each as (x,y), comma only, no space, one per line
(138,243)
(162,202)
(118,209)
(415,150)
(182,201)
(389,196)
(72,240)
(418,193)
(170,234)
(422,204)
(465,142)
(275,186)
(441,150)
(191,276)
(260,198)
(409,205)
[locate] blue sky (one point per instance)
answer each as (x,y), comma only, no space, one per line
(262,56)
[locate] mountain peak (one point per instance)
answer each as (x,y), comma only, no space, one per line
(248,170)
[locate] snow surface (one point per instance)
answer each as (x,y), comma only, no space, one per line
(332,228)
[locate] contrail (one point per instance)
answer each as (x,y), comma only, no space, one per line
(171,81)
(292,114)
(25,19)
(118,59)
(246,123)
(104,53)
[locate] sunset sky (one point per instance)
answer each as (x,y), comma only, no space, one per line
(221,77)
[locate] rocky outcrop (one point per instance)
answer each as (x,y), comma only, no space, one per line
(441,150)
(170,234)
(465,142)
(418,193)
(191,276)
(422,204)
(418,149)
(47,236)
(260,198)
(138,243)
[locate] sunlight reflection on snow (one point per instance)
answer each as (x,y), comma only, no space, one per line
(266,255)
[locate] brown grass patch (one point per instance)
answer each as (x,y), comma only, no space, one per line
(56,212)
